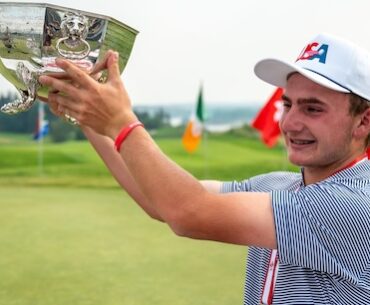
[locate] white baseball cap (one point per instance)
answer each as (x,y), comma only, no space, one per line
(327,60)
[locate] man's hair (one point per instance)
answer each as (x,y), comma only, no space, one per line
(357,106)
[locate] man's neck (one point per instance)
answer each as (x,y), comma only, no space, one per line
(316,174)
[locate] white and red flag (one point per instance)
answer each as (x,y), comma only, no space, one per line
(267,120)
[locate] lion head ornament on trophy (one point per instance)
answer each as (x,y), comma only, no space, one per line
(33,35)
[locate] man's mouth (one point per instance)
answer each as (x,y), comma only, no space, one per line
(301,142)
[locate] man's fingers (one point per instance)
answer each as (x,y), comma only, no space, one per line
(42,99)
(96,76)
(99,66)
(114,75)
(76,74)
(58,75)
(102,64)
(63,102)
(58,85)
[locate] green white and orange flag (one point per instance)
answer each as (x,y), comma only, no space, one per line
(193,132)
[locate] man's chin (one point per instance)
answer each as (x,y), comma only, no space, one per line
(297,161)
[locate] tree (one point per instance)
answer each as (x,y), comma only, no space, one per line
(154,120)
(61,131)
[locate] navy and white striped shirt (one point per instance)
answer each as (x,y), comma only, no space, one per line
(323,238)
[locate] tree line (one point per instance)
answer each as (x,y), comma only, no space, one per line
(59,130)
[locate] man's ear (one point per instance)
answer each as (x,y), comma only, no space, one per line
(362,129)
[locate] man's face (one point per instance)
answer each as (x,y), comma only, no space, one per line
(316,124)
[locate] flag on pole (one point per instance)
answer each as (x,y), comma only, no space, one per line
(193,131)
(267,120)
(42,125)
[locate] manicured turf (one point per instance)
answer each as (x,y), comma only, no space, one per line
(94,246)
(76,164)
(69,235)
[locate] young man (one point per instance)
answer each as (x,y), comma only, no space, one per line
(309,233)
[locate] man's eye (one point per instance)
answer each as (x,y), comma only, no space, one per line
(313,109)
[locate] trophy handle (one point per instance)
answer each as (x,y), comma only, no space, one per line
(75,28)
(28,96)
(73,54)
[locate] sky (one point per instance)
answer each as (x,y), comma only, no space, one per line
(183,43)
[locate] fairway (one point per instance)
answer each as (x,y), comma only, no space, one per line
(85,246)
(70,235)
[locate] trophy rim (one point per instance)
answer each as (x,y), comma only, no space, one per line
(65,8)
(22,71)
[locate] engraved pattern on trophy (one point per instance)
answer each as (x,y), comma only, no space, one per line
(74,31)
(27,96)
(33,35)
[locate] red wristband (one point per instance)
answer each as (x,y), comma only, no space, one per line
(124,133)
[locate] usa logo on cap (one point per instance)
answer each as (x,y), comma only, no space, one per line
(314,51)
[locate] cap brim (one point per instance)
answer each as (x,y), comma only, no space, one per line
(276,72)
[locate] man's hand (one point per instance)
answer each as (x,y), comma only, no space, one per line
(103,107)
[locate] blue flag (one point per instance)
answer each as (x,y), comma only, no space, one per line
(42,125)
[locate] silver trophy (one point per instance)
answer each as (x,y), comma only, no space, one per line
(33,35)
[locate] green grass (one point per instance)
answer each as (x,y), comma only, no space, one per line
(227,158)
(70,235)
(76,164)
(72,164)
(94,246)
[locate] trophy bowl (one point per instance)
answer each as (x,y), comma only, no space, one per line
(33,35)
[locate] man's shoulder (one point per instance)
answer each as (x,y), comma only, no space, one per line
(265,183)
(357,177)
(280,180)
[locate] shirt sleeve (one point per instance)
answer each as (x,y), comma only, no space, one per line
(324,227)
(264,183)
(235,186)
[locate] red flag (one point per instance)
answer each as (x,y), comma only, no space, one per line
(267,120)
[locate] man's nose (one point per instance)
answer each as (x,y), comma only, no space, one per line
(291,121)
